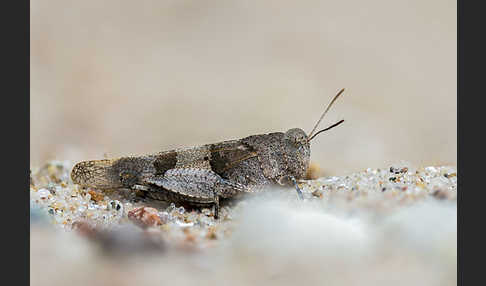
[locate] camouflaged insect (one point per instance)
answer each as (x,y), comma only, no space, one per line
(201,175)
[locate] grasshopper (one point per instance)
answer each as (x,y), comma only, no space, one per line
(202,175)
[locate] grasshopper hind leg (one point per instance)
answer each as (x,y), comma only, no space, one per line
(195,186)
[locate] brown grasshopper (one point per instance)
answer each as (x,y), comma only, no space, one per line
(201,175)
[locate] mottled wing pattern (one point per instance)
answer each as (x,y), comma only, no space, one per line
(238,162)
(219,157)
(113,173)
(95,173)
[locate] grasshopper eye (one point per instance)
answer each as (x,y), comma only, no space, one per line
(296,137)
(300,140)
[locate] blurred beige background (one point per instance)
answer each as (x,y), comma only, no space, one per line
(111,78)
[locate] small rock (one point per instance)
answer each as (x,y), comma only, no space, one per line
(95,196)
(145,217)
(317,193)
(115,205)
(440,194)
(211,233)
(450,175)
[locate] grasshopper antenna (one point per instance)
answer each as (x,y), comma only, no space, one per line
(332,126)
(322,116)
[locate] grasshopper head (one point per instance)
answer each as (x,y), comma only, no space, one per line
(298,144)
(298,151)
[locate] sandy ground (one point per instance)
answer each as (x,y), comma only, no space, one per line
(389,226)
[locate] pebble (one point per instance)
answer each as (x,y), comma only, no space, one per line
(145,217)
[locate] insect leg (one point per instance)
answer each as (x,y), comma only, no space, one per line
(191,182)
(294,182)
(299,191)
(216,206)
(196,185)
